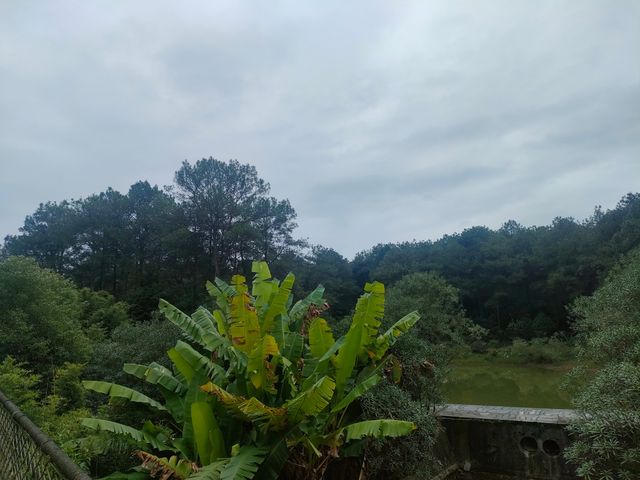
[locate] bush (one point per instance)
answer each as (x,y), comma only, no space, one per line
(539,351)
(608,443)
(407,456)
(608,325)
(40,317)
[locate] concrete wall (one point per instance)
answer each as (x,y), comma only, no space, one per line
(517,442)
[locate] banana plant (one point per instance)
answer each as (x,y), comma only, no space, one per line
(260,382)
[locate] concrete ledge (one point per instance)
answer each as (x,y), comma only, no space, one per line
(548,416)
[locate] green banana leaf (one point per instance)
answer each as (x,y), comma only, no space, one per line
(119,391)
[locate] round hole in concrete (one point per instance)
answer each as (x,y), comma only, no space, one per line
(529,444)
(551,448)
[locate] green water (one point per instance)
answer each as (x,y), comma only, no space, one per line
(480,381)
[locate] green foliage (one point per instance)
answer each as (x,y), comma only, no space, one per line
(140,343)
(59,414)
(608,325)
(538,351)
(438,302)
(516,272)
(40,319)
(151,241)
(273,383)
(410,456)
(100,309)
(67,386)
(541,326)
(20,385)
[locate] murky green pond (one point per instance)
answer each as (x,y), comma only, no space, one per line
(480,381)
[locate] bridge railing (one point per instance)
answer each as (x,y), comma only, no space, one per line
(26,453)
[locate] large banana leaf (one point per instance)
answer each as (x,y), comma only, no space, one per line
(320,337)
(261,371)
(155,374)
(193,395)
(120,429)
(378,429)
(278,304)
(356,392)
(119,391)
(251,409)
(280,329)
(184,367)
(170,387)
(203,318)
(293,346)
(321,367)
(221,322)
(208,436)
(244,328)
(371,316)
(262,287)
(199,327)
(245,464)
(197,361)
(388,338)
(222,292)
(214,328)
(364,326)
(311,401)
(193,329)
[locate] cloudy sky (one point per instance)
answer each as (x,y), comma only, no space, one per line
(380,121)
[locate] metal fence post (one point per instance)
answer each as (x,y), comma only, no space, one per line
(26,453)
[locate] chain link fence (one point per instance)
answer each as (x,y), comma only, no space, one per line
(28,454)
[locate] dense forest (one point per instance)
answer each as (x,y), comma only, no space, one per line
(218,216)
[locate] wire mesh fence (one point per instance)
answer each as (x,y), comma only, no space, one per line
(28,454)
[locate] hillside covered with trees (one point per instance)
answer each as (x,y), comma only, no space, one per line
(218,216)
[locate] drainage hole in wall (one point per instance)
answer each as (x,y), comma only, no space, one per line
(551,448)
(529,444)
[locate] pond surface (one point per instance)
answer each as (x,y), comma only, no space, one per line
(482,381)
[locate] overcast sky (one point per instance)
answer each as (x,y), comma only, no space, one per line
(380,121)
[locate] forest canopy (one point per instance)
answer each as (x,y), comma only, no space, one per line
(156,242)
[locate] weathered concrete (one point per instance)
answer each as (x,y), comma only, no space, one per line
(523,443)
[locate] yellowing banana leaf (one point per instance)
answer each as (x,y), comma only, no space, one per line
(320,337)
(250,409)
(261,371)
(278,304)
(244,328)
(378,429)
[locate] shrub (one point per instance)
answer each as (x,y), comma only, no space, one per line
(410,456)
(608,325)
(539,351)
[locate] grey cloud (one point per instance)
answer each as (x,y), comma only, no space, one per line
(379,121)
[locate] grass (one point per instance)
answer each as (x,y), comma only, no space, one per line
(501,378)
